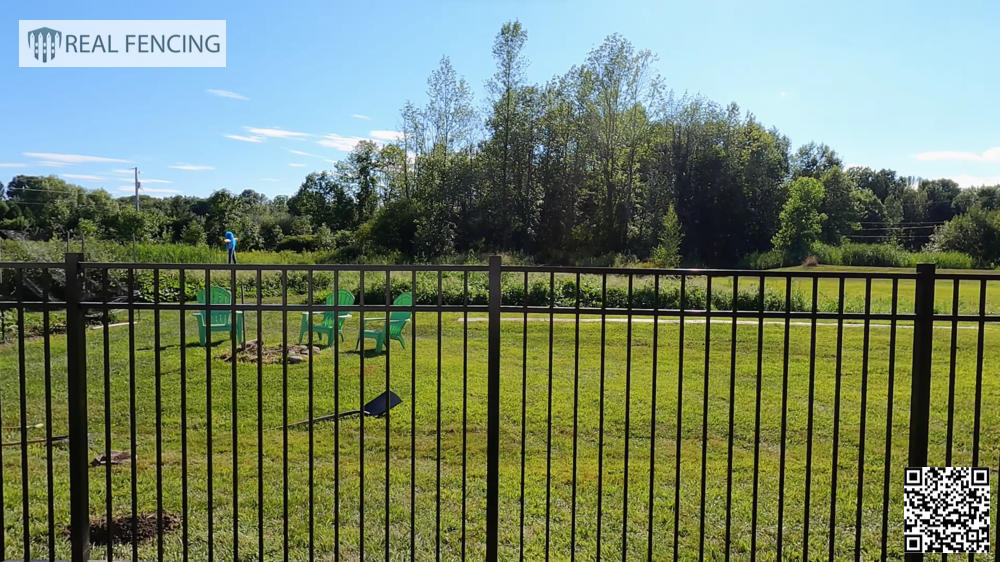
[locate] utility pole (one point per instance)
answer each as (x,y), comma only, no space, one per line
(136,169)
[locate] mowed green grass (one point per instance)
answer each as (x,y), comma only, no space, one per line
(576,385)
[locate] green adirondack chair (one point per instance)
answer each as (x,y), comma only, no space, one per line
(331,323)
(221,317)
(391,331)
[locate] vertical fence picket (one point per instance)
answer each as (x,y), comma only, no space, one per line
(76,363)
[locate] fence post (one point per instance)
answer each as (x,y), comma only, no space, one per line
(79,451)
(493,413)
(920,381)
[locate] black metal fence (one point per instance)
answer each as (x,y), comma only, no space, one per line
(547,412)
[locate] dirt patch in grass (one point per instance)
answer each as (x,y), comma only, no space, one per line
(247,353)
(121,531)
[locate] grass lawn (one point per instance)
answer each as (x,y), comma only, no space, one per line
(625,391)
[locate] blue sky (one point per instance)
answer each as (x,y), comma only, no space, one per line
(911,86)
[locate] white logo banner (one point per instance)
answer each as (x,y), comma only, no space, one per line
(122,43)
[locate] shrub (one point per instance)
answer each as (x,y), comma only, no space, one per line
(873,255)
(976,233)
(668,252)
(946,260)
(827,254)
(766,260)
(299,243)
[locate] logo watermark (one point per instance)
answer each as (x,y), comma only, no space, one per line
(122,43)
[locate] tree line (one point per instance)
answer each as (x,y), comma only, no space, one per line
(602,160)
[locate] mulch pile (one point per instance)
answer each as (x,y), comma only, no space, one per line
(121,528)
(247,353)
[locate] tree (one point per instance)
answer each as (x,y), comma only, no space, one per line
(617,81)
(324,197)
(801,218)
(976,233)
(193,234)
(668,252)
(449,108)
(841,205)
(360,170)
(813,160)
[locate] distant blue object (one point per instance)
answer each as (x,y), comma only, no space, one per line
(230,239)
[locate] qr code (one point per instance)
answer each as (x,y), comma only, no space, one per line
(947,510)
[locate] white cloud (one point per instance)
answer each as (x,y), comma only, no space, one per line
(361,116)
(154,181)
(228,94)
(83,177)
(338,142)
(12,164)
(989,155)
(297,165)
(51,164)
(191,167)
(966,180)
(388,136)
(300,153)
(252,138)
(70,158)
(276,133)
(783,94)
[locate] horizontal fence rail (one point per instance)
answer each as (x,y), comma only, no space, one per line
(203,411)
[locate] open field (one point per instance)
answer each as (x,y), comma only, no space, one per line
(624,390)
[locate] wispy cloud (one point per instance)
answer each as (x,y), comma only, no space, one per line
(70,158)
(12,164)
(252,138)
(228,94)
(276,133)
(147,180)
(361,116)
(297,165)
(123,171)
(345,144)
(191,167)
(300,153)
(966,180)
(269,179)
(388,136)
(51,164)
(149,190)
(82,177)
(989,155)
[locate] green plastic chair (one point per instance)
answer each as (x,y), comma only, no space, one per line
(331,323)
(391,331)
(220,319)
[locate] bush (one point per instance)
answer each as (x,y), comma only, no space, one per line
(827,254)
(766,260)
(976,233)
(299,243)
(873,255)
(945,260)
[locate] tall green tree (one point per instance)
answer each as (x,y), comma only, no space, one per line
(801,218)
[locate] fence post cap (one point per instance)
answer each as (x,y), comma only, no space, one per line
(926,268)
